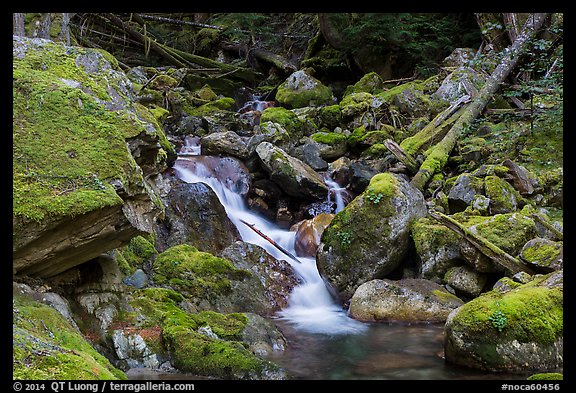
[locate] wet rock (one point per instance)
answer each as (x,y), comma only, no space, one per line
(309,233)
(138,279)
(262,337)
(277,277)
(369,238)
(296,178)
(194,215)
(225,143)
(310,153)
(406,300)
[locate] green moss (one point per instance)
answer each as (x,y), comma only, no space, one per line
(546,377)
(445,297)
(134,256)
(360,222)
(212,106)
(429,235)
(503,197)
(200,274)
(330,115)
(531,314)
(67,146)
(542,254)
(293,97)
(47,347)
(389,95)
(328,138)
(222,357)
(284,117)
(370,83)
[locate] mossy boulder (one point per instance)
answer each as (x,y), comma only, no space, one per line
(206,343)
(543,255)
(47,347)
(207,281)
(515,330)
(300,90)
(371,83)
(82,149)
(282,125)
(369,238)
(503,197)
(439,248)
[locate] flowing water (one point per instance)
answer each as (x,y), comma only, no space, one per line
(323,342)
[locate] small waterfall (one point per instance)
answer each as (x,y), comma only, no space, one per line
(334,190)
(311,307)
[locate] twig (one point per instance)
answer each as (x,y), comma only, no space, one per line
(271,241)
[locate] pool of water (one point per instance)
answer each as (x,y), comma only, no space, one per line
(383,351)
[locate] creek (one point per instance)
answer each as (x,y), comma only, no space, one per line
(323,342)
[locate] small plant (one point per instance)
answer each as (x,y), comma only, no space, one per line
(498,320)
(344,239)
(375,198)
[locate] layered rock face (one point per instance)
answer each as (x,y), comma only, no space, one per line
(82,152)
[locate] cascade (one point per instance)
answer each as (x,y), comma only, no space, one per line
(311,307)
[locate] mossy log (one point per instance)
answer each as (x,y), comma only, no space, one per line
(406,159)
(438,155)
(177,57)
(492,251)
(435,130)
(261,54)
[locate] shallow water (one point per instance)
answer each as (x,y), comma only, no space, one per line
(382,351)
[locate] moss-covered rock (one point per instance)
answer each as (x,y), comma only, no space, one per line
(301,89)
(82,150)
(202,277)
(47,347)
(516,330)
(369,237)
(543,254)
(205,343)
(282,125)
(503,197)
(371,83)
(293,176)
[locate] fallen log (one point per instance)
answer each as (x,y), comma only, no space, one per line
(500,257)
(278,246)
(437,156)
(409,162)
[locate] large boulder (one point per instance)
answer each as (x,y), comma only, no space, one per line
(513,328)
(406,300)
(195,216)
(300,90)
(82,151)
(369,238)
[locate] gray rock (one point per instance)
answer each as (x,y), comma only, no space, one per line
(407,300)
(465,280)
(543,255)
(295,177)
(138,279)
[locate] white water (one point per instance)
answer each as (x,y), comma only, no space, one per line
(311,307)
(336,190)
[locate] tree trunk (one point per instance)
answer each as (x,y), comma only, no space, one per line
(438,155)
(495,253)
(18,28)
